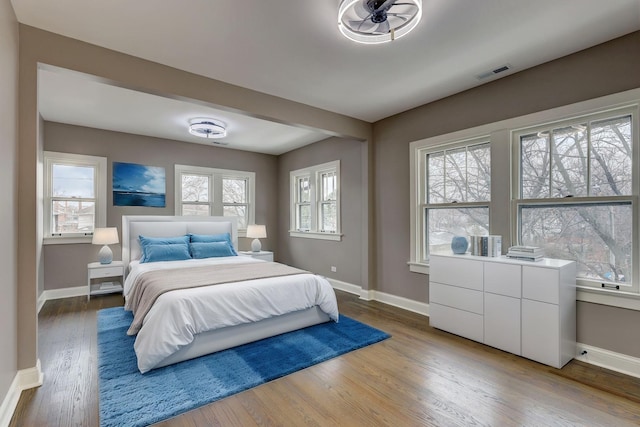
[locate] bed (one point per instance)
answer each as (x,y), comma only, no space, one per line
(189,323)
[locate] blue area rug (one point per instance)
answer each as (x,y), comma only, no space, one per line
(129,398)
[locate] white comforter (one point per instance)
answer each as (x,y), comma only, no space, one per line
(177,316)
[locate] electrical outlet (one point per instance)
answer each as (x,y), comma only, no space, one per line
(333,269)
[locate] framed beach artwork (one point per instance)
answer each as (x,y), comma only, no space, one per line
(138,185)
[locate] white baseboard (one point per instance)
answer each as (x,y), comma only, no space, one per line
(76,291)
(344,286)
(618,362)
(371,295)
(401,302)
(24,380)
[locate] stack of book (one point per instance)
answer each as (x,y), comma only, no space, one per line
(486,245)
(527,253)
(109,285)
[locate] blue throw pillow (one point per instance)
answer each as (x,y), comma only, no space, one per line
(166,252)
(146,241)
(211,249)
(208,238)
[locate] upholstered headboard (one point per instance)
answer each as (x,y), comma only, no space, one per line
(170,226)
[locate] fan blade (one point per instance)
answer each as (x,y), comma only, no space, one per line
(383,28)
(363,26)
(386,5)
(404,4)
(399,15)
(361,10)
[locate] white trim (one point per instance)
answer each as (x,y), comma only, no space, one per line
(401,302)
(24,380)
(418,267)
(215,175)
(620,299)
(607,359)
(383,297)
(99,165)
(419,150)
(51,294)
(66,240)
(314,173)
(344,286)
(315,235)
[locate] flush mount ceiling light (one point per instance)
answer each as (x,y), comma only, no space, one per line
(378,21)
(207,128)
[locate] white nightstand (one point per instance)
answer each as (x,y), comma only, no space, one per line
(104,278)
(263,255)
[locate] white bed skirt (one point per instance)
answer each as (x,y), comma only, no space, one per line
(222,339)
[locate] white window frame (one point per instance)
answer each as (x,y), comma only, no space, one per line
(419,262)
(100,190)
(518,202)
(315,175)
(500,134)
(216,206)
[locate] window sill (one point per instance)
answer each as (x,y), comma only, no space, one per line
(315,235)
(628,300)
(417,267)
(66,240)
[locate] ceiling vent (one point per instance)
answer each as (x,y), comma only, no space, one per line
(495,71)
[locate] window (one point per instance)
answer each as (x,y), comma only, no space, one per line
(315,202)
(454,194)
(74,196)
(218,192)
(576,198)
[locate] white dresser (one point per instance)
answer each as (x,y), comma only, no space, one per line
(525,308)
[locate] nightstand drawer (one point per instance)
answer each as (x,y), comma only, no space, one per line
(97,273)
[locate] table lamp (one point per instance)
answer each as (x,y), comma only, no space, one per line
(105,236)
(256,232)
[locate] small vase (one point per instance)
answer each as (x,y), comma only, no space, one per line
(459,245)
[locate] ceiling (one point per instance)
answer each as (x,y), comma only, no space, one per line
(293,49)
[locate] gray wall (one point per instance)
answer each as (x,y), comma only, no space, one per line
(605,69)
(8,184)
(66,265)
(319,255)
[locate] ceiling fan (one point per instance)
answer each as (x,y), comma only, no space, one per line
(378,21)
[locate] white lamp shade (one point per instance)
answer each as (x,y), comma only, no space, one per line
(257,231)
(105,236)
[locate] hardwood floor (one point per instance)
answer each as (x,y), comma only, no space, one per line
(419,377)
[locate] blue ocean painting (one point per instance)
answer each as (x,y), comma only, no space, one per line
(138,185)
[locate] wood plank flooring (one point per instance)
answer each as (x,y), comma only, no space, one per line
(419,377)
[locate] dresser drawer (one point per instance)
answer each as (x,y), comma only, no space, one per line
(96,273)
(458,271)
(541,284)
(459,322)
(453,296)
(503,279)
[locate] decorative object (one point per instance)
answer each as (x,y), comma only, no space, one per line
(130,398)
(105,236)
(256,232)
(207,128)
(490,246)
(138,185)
(378,21)
(459,245)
